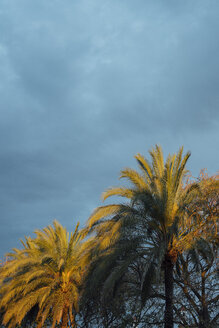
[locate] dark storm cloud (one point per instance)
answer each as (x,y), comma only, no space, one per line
(85,85)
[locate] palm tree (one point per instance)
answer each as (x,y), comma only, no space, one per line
(45,275)
(153,224)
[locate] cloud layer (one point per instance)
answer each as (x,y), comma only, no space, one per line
(85,85)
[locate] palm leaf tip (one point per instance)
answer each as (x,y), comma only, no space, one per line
(117,191)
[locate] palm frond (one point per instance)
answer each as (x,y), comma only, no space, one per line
(103,212)
(134,177)
(47,273)
(148,277)
(120,191)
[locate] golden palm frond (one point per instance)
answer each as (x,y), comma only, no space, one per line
(47,272)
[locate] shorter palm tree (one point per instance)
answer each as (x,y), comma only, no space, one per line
(46,275)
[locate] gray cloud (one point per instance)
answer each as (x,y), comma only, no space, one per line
(86,85)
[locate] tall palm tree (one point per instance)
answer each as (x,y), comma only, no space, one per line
(46,275)
(154,220)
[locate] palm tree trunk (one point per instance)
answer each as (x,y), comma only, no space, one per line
(65,317)
(168,277)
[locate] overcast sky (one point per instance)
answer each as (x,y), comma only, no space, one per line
(87,84)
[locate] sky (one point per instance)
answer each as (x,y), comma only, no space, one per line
(84,86)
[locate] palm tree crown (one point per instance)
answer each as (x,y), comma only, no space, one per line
(46,273)
(157,201)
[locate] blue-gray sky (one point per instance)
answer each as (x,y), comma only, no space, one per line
(87,84)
